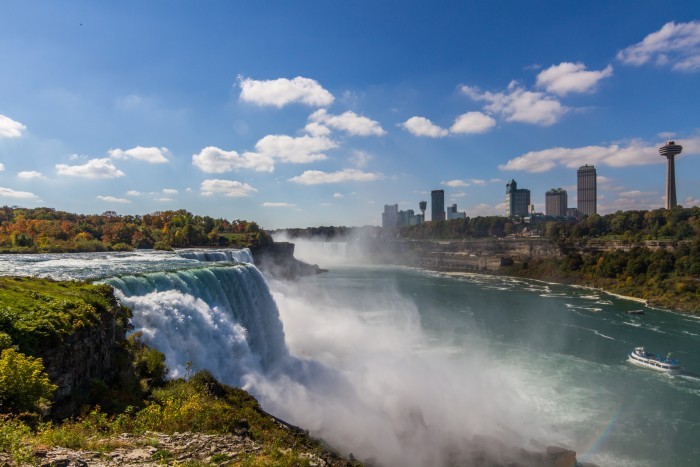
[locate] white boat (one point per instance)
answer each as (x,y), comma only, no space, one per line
(656,362)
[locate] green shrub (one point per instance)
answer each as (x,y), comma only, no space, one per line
(24,386)
(162,246)
(13,437)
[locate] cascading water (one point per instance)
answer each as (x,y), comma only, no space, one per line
(240,256)
(219,318)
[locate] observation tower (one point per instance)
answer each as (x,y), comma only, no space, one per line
(669,151)
(423,205)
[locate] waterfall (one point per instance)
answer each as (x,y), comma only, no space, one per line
(240,256)
(222,318)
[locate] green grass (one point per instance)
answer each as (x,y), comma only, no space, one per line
(40,313)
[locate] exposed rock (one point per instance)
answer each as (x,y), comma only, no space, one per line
(277,259)
(157,449)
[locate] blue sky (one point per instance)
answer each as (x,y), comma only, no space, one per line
(313,113)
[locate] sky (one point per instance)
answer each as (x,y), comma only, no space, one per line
(311,113)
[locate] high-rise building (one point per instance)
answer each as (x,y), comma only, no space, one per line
(556,201)
(517,200)
(586,190)
(437,205)
(670,150)
(423,205)
(390,216)
(452,213)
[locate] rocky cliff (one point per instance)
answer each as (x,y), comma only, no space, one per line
(277,259)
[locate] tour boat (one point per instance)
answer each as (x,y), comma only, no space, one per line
(656,362)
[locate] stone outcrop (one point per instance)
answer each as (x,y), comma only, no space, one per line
(87,355)
(277,259)
(157,449)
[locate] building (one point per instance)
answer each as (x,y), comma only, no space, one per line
(586,190)
(437,201)
(452,213)
(670,150)
(392,217)
(572,212)
(517,200)
(556,201)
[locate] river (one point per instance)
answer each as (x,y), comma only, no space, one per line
(408,367)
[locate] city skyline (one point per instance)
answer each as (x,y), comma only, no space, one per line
(295,115)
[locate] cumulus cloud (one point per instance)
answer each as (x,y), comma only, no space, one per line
(93,169)
(631,200)
(350,122)
(676,45)
(421,126)
(568,77)
(112,199)
(473,122)
(338,195)
(133,193)
(277,205)
(230,188)
(690,202)
(214,160)
(316,129)
(283,91)
(10,128)
(317,177)
(27,174)
(516,104)
(296,150)
(2,167)
(455,183)
(10,193)
(635,153)
(169,191)
(360,159)
(151,155)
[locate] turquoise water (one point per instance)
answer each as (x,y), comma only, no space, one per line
(410,368)
(566,351)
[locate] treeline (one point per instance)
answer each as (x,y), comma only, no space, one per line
(48,230)
(329,233)
(630,226)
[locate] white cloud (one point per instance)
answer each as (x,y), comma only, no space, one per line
(29,174)
(690,202)
(283,91)
(635,153)
(571,77)
(349,122)
(133,193)
(2,167)
(360,159)
(164,200)
(317,177)
(316,129)
(299,150)
(484,209)
(477,181)
(277,205)
(518,105)
(421,126)
(214,160)
(676,45)
(10,128)
(228,188)
(94,169)
(169,191)
(338,195)
(472,122)
(10,193)
(112,199)
(455,183)
(151,155)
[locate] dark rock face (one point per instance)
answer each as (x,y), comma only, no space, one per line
(277,260)
(82,357)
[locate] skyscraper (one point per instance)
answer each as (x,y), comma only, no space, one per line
(670,150)
(556,201)
(517,200)
(437,207)
(586,190)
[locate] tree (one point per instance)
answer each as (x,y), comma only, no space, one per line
(24,385)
